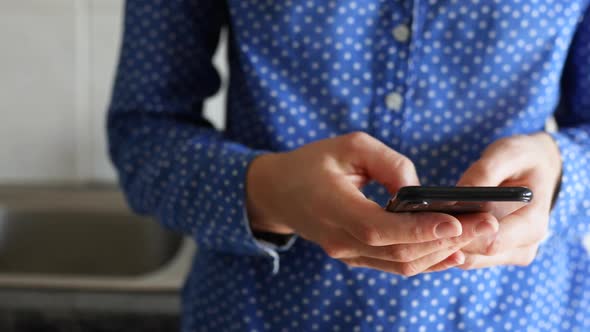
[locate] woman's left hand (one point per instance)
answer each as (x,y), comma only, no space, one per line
(532,161)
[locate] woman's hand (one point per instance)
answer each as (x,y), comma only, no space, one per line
(531,161)
(314,192)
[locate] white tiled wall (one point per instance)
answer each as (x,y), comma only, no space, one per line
(57,60)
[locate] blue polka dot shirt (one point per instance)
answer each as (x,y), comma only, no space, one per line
(435,80)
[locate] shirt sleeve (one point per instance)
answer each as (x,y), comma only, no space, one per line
(172,163)
(570,217)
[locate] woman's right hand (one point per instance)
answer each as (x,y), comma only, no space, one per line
(314,191)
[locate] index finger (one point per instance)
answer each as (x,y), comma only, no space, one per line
(380,162)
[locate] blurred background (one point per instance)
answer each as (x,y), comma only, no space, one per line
(72,256)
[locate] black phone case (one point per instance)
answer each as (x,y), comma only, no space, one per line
(455,200)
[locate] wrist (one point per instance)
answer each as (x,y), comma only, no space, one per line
(260,181)
(555,159)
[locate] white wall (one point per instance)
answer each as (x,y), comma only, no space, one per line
(37,82)
(57,60)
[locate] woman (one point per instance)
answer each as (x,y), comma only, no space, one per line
(328,98)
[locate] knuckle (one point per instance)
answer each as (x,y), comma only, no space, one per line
(403,163)
(409,269)
(335,251)
(518,140)
(493,248)
(455,247)
(486,168)
(444,265)
(416,232)
(510,143)
(370,235)
(489,218)
(403,254)
(469,263)
(357,141)
(352,262)
(454,242)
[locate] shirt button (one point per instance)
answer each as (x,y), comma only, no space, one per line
(394,101)
(401,33)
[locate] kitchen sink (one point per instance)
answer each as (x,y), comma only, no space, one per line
(82,243)
(77,237)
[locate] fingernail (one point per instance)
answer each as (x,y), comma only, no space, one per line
(447,229)
(484,228)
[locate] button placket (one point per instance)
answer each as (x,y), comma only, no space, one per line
(394,101)
(401,33)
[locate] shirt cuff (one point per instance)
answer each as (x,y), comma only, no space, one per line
(271,248)
(571,189)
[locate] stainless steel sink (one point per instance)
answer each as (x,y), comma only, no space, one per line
(79,237)
(82,243)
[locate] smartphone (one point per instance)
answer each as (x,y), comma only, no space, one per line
(500,201)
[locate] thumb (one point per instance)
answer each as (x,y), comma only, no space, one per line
(502,160)
(479,173)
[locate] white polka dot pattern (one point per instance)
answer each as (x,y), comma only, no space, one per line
(436,80)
